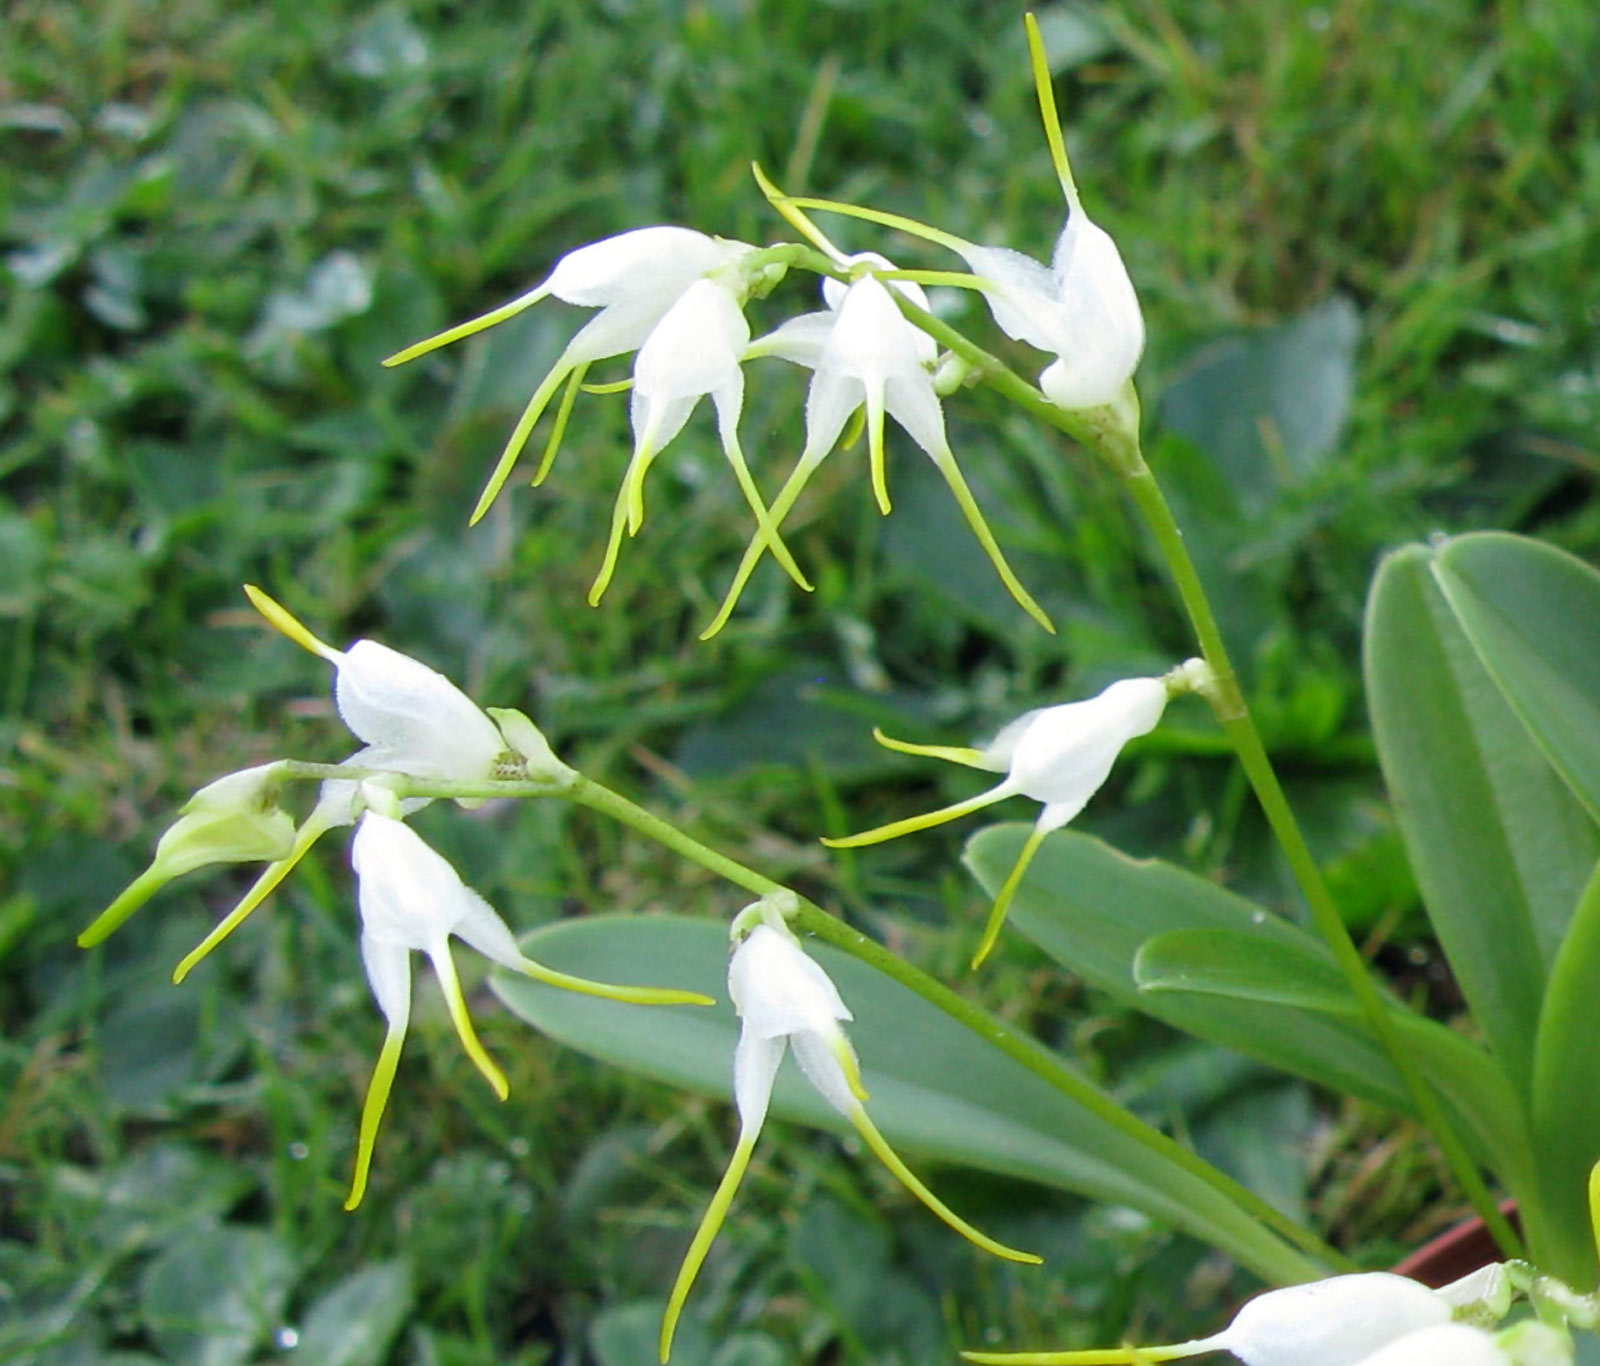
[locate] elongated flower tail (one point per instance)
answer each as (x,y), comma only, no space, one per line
(891,1159)
(372,1108)
(286,621)
(468,328)
(639,996)
(912,823)
(1008,890)
(710,1225)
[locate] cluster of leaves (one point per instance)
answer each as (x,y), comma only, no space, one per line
(1365,266)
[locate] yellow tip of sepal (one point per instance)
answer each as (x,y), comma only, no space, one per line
(704,1236)
(891,1159)
(284,620)
(1008,890)
(638,996)
(372,1109)
(914,823)
(956,754)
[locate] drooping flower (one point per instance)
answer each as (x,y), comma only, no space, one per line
(235,819)
(675,296)
(411,899)
(864,353)
(1341,1321)
(1059,756)
(784,999)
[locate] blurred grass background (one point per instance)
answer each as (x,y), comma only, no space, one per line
(1366,237)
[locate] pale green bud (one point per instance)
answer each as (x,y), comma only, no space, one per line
(236,819)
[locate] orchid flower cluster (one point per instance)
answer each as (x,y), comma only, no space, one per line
(676,299)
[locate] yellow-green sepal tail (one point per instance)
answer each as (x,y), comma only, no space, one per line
(519,437)
(558,428)
(891,1159)
(137,892)
(286,621)
(956,754)
(1008,890)
(705,1235)
(639,996)
(309,834)
(466,329)
(913,823)
(372,1109)
(445,968)
(788,495)
(1040,62)
(980,528)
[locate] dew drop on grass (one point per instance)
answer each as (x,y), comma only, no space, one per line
(299,1152)
(286,1339)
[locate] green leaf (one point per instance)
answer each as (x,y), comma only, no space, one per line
(1532,613)
(213,1298)
(356,1321)
(1243,966)
(1566,1096)
(1093,909)
(1499,846)
(937,1088)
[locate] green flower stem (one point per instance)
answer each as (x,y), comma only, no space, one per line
(1037,1059)
(1113,436)
(1227,701)
(813,919)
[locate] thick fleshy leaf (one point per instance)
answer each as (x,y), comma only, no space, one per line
(1500,847)
(1532,612)
(937,1088)
(1093,909)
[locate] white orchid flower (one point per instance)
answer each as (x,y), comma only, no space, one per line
(864,353)
(784,1000)
(411,899)
(695,350)
(675,296)
(1082,308)
(411,719)
(1060,756)
(1341,1321)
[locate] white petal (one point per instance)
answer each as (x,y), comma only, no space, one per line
(1101,327)
(912,402)
(618,328)
(416,717)
(777,990)
(815,1054)
(1446,1344)
(1026,306)
(480,927)
(695,347)
(645,260)
(388,968)
(1336,1322)
(871,340)
(1066,752)
(408,894)
(656,419)
(830,401)
(999,752)
(755,1066)
(797,339)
